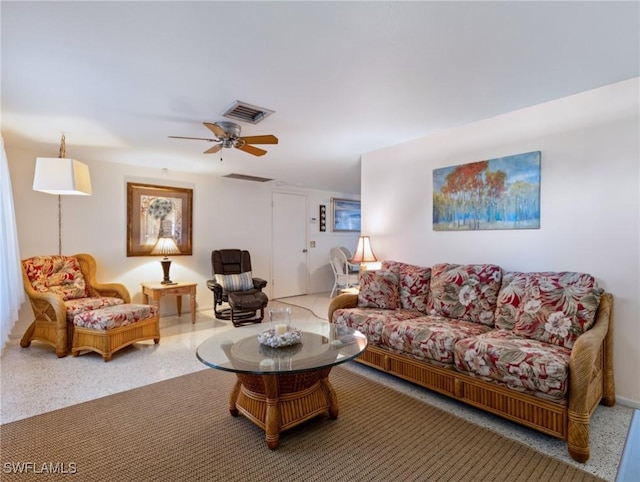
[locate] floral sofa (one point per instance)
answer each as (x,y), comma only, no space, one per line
(535,348)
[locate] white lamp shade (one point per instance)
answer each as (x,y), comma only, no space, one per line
(55,175)
(165,246)
(364,253)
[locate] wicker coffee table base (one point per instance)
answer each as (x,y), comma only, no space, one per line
(277,402)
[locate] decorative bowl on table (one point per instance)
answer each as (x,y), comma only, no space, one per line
(280,352)
(271,338)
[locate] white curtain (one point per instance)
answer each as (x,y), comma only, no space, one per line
(11,291)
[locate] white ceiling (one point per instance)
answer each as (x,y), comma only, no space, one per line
(344,78)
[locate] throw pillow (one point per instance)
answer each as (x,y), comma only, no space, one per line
(414,284)
(236,282)
(465,292)
(60,275)
(558,307)
(378,289)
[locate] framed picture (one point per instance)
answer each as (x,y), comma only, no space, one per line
(151,209)
(501,193)
(345,215)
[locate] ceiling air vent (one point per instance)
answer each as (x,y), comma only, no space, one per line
(246,112)
(244,177)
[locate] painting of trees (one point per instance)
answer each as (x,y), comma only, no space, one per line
(502,193)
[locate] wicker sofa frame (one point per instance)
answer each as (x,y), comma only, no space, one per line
(50,323)
(591,382)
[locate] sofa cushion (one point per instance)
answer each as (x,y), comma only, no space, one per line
(378,289)
(370,321)
(429,337)
(114,316)
(465,292)
(558,307)
(510,298)
(81,305)
(522,364)
(414,284)
(60,275)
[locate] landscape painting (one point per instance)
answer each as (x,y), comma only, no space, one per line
(346,214)
(502,193)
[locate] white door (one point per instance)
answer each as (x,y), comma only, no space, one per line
(289,228)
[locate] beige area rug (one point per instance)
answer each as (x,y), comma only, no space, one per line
(181,430)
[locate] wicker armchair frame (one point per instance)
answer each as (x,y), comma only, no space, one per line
(591,382)
(50,323)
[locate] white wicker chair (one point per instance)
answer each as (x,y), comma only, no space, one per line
(342,270)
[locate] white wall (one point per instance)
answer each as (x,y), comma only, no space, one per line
(320,270)
(227,213)
(590,202)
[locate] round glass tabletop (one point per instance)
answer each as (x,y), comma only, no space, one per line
(322,345)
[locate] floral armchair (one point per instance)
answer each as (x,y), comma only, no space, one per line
(60,287)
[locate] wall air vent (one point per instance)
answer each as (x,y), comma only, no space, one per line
(246,112)
(245,177)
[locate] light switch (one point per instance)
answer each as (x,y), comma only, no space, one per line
(312,244)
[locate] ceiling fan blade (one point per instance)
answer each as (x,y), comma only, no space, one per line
(214,149)
(256,151)
(195,138)
(217,130)
(268,139)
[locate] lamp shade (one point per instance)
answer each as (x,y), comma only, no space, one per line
(62,176)
(364,253)
(165,246)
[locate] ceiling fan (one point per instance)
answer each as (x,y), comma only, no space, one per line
(227,134)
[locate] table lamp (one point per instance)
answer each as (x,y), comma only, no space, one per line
(165,246)
(364,254)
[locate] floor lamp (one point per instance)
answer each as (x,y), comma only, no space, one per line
(62,177)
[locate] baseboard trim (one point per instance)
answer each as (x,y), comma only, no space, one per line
(628,402)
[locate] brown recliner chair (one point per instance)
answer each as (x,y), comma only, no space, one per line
(234,284)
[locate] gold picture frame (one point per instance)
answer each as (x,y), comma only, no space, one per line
(150,207)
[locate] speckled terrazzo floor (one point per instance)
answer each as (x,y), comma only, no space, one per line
(34,381)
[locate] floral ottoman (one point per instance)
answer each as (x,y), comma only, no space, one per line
(109,329)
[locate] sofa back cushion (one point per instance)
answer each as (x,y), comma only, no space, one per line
(558,307)
(510,299)
(414,284)
(60,275)
(378,289)
(465,292)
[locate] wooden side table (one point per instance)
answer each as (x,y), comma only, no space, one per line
(153,291)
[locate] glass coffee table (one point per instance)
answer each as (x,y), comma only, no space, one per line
(279,388)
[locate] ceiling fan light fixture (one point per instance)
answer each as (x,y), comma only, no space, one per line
(231,129)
